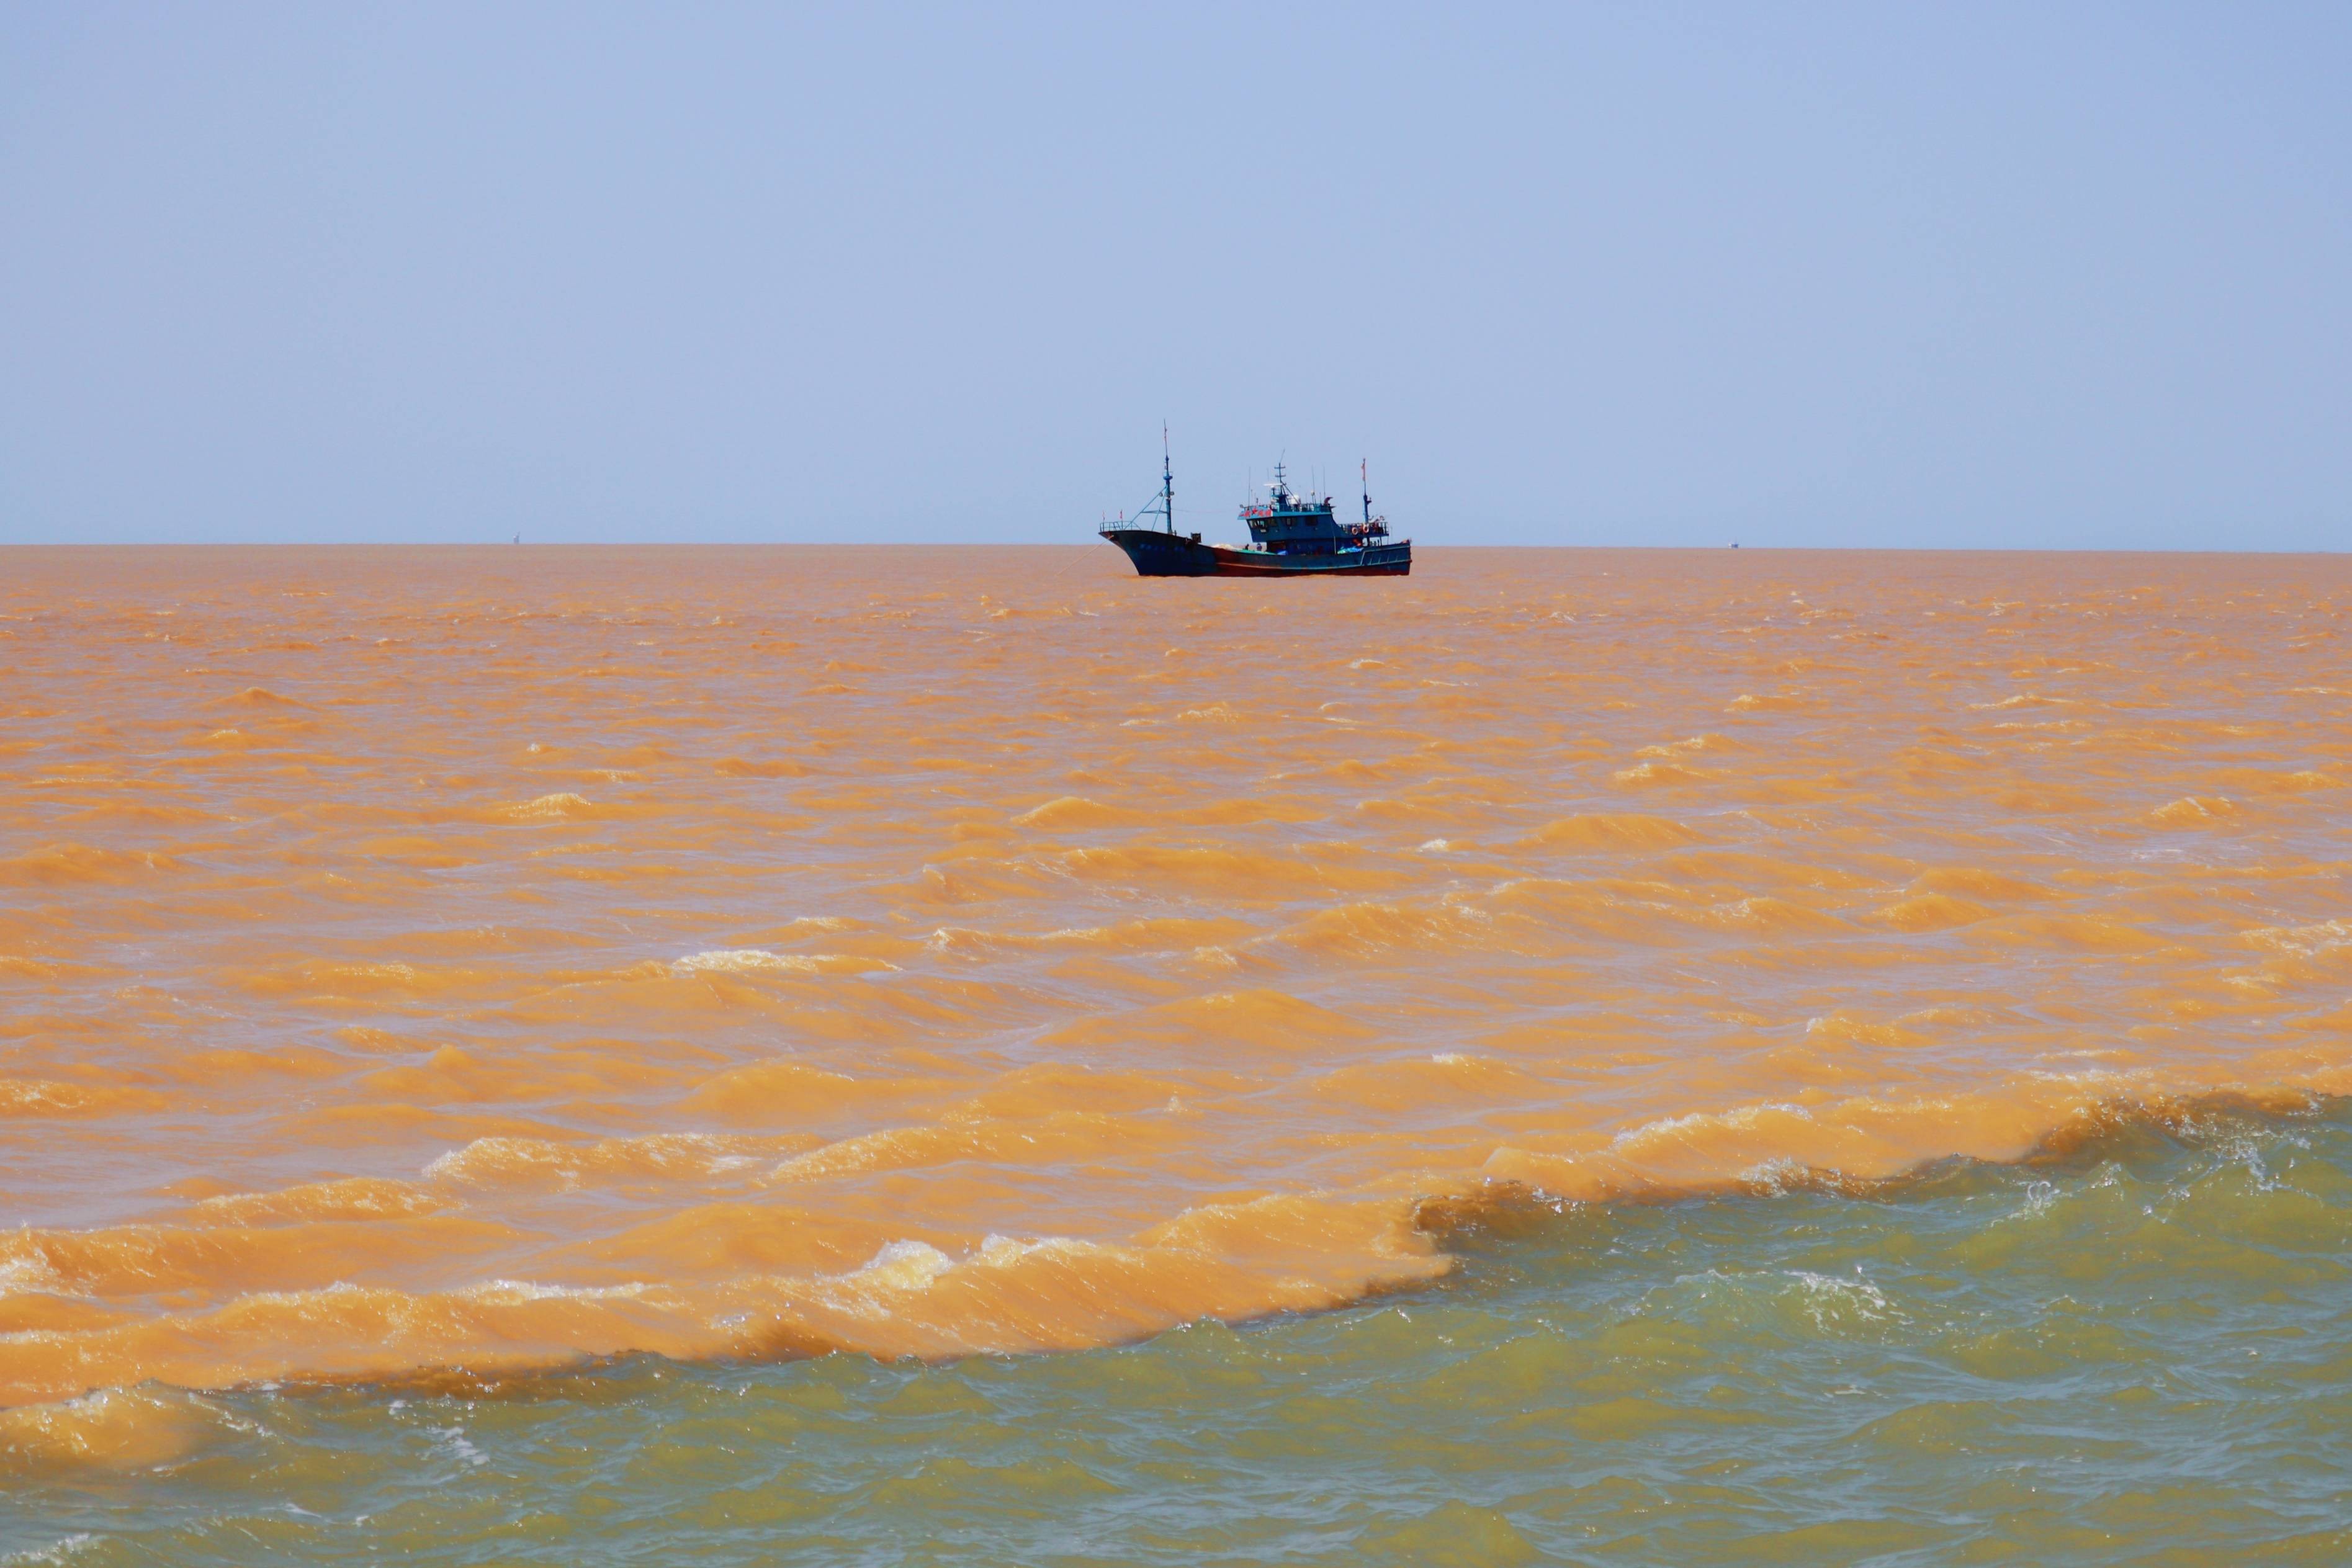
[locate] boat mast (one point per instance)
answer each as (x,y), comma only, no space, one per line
(1167,482)
(1364,472)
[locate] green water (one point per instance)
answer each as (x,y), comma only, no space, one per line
(2138,1351)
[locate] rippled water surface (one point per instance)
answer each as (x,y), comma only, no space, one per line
(2138,1349)
(471,1022)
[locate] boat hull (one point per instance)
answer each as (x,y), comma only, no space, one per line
(1159,554)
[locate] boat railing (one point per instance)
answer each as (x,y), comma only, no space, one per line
(1138,524)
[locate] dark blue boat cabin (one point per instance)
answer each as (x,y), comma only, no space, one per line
(1289,524)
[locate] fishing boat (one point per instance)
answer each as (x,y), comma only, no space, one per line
(1290,535)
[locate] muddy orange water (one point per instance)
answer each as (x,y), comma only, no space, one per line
(421,957)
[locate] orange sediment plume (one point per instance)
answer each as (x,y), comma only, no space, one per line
(439,960)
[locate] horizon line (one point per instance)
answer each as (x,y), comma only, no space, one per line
(1060,544)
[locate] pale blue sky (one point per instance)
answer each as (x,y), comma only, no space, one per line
(1977,275)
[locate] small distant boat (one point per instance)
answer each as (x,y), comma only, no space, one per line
(1290,535)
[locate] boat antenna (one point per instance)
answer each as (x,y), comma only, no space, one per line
(1167,482)
(1364,472)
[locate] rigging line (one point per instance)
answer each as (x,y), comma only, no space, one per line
(1053,578)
